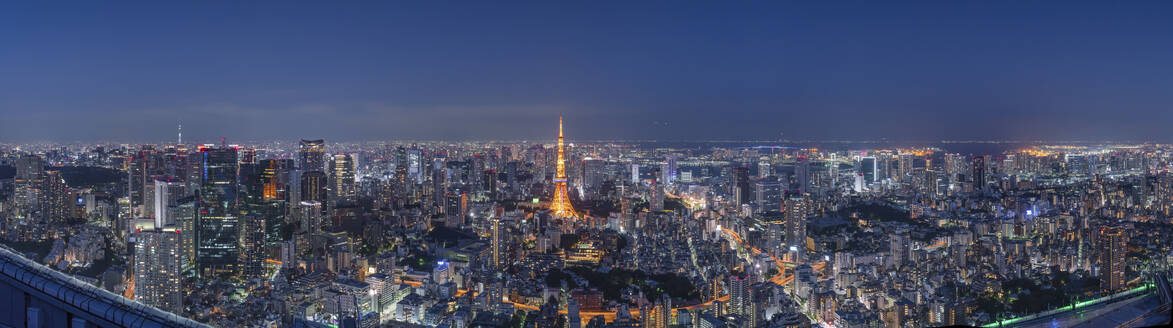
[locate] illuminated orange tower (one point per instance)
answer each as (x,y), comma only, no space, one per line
(561,203)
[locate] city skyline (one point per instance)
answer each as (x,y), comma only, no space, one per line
(756,164)
(625,234)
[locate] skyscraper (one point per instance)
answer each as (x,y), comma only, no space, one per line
(979,173)
(157,268)
(930,181)
(217,230)
(634,173)
(592,175)
(867,166)
(439,179)
(342,183)
(954,167)
(415,164)
(898,247)
(307,216)
(656,197)
(456,208)
(802,174)
(561,202)
(30,171)
(904,166)
(668,172)
(184,216)
(55,198)
(401,168)
(252,244)
(738,294)
(768,194)
(1111,248)
(313,186)
(261,208)
(275,196)
(497,235)
(741,190)
(311,155)
(166,193)
(138,180)
(798,207)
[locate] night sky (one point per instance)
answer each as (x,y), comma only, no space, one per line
(672,70)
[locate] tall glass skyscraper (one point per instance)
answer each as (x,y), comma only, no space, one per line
(217,221)
(311,155)
(867,166)
(342,180)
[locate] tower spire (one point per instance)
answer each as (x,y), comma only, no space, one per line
(180,141)
(561,202)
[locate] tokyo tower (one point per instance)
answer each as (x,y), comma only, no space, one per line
(561,203)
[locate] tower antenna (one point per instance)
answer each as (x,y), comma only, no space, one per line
(561,202)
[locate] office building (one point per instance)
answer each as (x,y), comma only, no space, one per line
(342,180)
(768,194)
(741,187)
(311,155)
(217,220)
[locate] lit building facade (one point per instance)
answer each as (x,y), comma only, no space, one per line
(217,221)
(157,269)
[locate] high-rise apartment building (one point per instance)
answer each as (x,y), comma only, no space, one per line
(739,296)
(496,242)
(798,208)
(28,185)
(1111,247)
(55,199)
(158,268)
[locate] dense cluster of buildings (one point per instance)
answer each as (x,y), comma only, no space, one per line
(592,234)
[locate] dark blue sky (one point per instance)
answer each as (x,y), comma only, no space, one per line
(382,70)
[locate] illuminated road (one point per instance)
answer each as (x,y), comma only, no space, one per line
(779,279)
